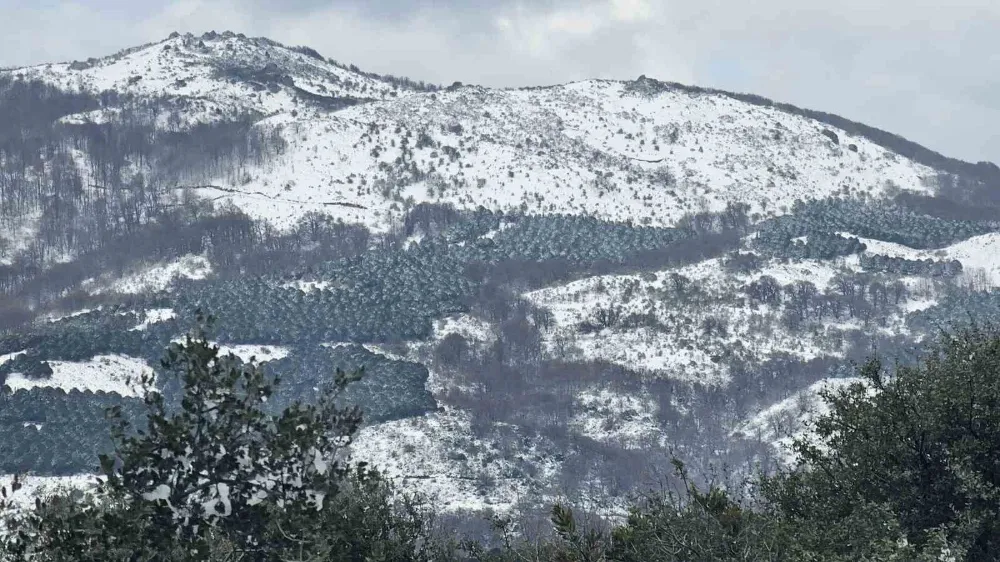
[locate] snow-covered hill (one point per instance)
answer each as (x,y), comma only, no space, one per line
(597,147)
(977,254)
(634,150)
(214,76)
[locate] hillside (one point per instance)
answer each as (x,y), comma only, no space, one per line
(552,290)
(214,77)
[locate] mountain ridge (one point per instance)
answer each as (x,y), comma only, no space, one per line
(981,170)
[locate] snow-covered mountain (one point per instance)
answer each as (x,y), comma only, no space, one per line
(611,357)
(215,76)
(636,150)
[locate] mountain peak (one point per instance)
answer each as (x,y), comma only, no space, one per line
(220,74)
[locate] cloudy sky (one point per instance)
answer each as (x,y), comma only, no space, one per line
(927,70)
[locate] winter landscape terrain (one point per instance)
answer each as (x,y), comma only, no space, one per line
(552,290)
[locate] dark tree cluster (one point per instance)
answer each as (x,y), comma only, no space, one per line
(51,431)
(104,190)
(742,263)
(389,390)
(818,245)
(880,220)
(863,296)
(927,267)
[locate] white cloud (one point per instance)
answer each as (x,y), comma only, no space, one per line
(631,10)
(571,22)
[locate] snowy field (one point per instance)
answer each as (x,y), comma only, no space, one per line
(155,316)
(104,373)
(152,277)
(977,253)
(677,347)
(42,486)
(714,148)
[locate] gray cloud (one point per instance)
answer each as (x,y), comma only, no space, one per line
(920,68)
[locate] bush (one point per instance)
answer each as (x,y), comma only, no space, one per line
(919,446)
(223,478)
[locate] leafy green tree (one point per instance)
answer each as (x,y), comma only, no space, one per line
(909,457)
(221,478)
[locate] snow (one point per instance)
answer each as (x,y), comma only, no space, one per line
(676,344)
(817,272)
(308,286)
(676,347)
(977,253)
(221,497)
(190,71)
(155,316)
(44,486)
(591,147)
(263,353)
(153,277)
(594,147)
(563,144)
(437,455)
(10,356)
(561,178)
(108,373)
(783,422)
(615,417)
(473,329)
(160,493)
(58,317)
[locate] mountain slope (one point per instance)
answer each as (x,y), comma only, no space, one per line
(616,150)
(552,289)
(217,76)
(597,148)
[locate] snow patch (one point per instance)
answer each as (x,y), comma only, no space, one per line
(785,421)
(438,456)
(977,253)
(103,373)
(45,486)
(155,316)
(262,353)
(616,417)
(153,277)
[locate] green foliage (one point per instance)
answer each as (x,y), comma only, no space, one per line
(698,525)
(81,337)
(389,390)
(820,245)
(871,219)
(578,239)
(920,445)
(51,431)
(901,468)
(957,308)
(902,266)
(223,479)
(378,296)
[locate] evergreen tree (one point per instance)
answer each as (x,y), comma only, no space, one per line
(218,477)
